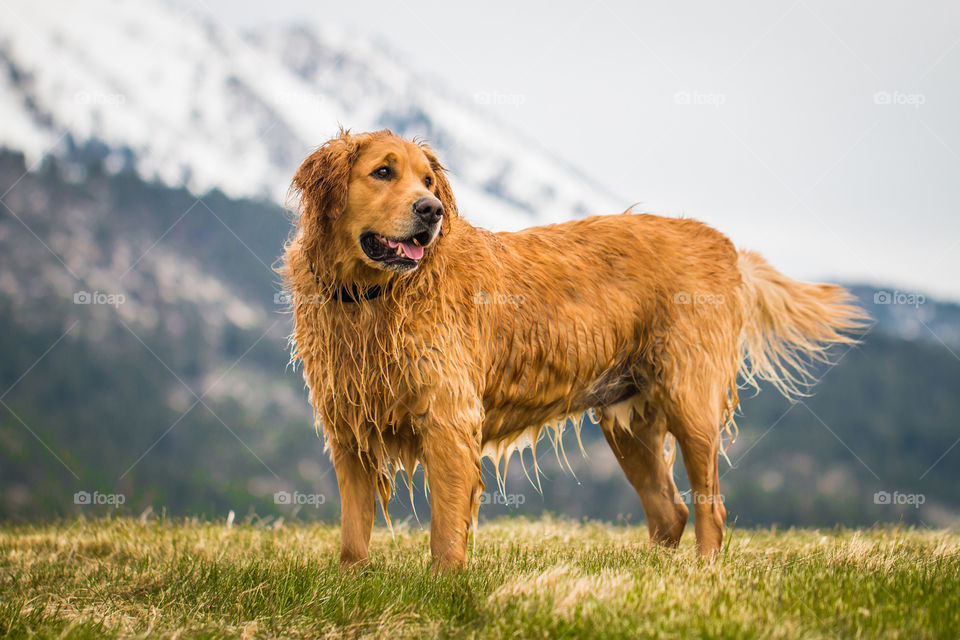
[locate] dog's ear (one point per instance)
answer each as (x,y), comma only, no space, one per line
(442,186)
(321,185)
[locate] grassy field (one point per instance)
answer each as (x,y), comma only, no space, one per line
(123,579)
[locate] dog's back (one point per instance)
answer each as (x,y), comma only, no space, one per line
(588,313)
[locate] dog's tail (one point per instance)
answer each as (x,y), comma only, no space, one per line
(789,326)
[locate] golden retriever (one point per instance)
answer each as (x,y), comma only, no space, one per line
(425,340)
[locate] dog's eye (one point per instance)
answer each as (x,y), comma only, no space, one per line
(382,173)
(428,181)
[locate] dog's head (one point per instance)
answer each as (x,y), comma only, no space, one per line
(372,206)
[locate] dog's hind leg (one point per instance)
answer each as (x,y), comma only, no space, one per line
(357,484)
(640,452)
(698,431)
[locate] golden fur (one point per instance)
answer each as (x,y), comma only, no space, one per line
(649,321)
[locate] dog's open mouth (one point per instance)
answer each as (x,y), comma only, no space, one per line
(403,253)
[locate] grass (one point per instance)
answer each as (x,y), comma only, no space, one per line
(122,578)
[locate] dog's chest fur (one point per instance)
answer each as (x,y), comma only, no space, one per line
(373,370)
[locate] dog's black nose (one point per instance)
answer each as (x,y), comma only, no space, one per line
(429,209)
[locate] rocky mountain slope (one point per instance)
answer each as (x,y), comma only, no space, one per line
(144,354)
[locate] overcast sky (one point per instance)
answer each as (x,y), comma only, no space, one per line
(823,134)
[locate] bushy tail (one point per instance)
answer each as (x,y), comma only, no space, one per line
(790,325)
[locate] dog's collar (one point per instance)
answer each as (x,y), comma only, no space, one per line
(353,293)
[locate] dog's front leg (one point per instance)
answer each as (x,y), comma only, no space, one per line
(357,483)
(452,462)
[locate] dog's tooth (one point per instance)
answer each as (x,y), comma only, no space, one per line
(399,251)
(416,242)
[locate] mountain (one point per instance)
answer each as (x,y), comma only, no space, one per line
(143,343)
(172,95)
(911,315)
(143,353)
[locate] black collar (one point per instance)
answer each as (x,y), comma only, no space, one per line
(354,293)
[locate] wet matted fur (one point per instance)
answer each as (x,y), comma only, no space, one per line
(425,340)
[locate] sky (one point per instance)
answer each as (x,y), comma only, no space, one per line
(823,134)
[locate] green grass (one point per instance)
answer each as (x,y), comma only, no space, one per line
(123,578)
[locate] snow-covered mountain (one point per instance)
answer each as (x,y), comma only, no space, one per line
(189,102)
(144,337)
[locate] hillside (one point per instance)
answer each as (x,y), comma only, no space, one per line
(150,185)
(111,405)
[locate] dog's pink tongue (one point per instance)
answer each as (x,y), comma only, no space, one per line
(411,250)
